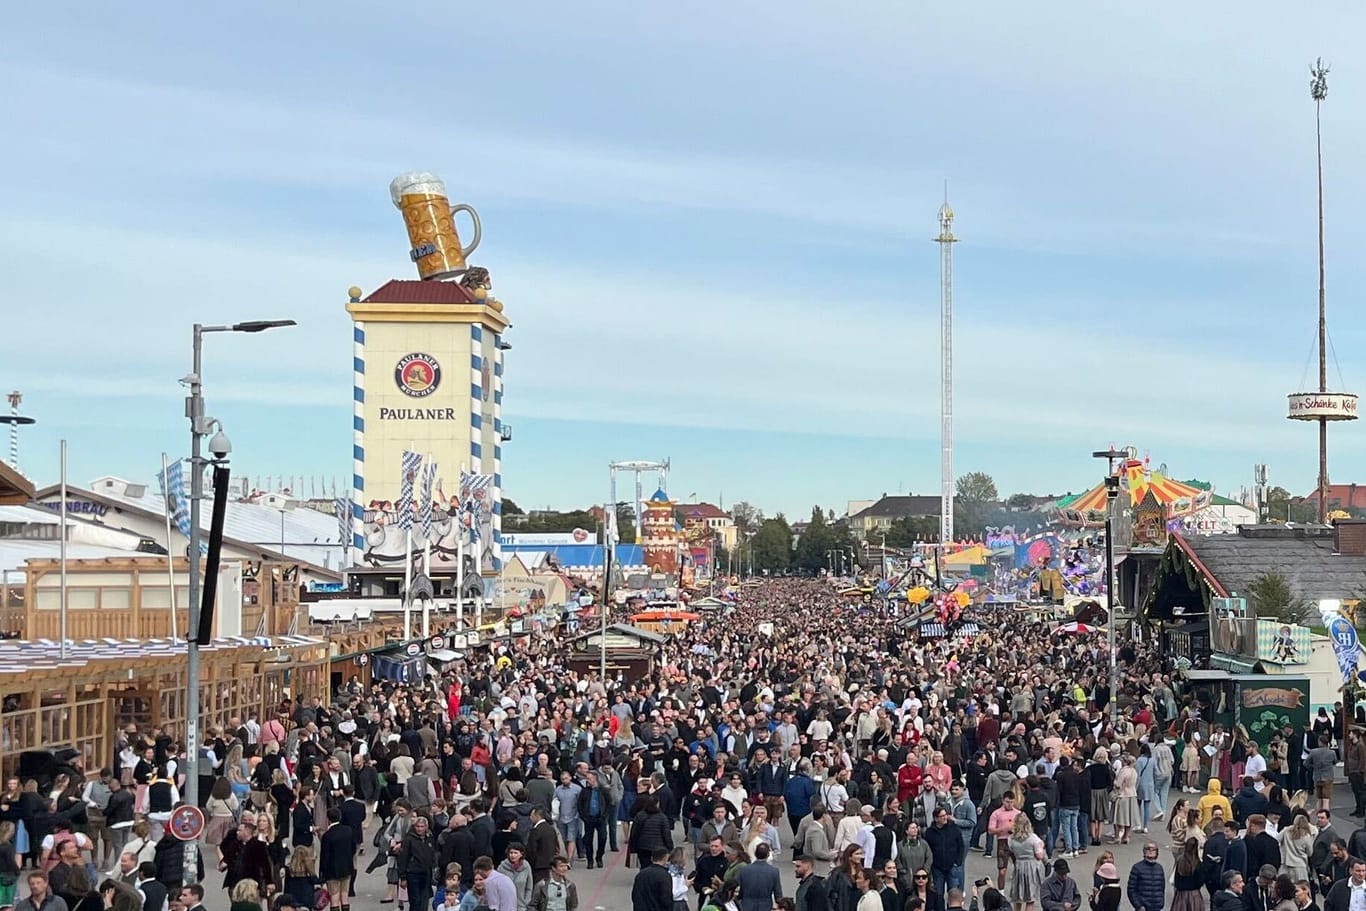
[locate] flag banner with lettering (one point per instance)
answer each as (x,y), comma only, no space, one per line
(425,504)
(411,465)
(1346,645)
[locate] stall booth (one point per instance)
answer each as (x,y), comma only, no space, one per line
(1265,704)
(630,650)
(81,700)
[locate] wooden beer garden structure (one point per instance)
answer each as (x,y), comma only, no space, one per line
(104,685)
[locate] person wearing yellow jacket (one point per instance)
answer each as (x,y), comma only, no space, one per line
(1211,799)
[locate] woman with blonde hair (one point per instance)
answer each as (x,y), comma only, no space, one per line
(1297,844)
(246,896)
(1102,779)
(1126,800)
(275,850)
(1026,877)
(300,882)
(234,769)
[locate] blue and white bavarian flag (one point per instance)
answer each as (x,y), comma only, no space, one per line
(412,464)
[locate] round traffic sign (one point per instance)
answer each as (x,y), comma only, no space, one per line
(187,823)
(363,660)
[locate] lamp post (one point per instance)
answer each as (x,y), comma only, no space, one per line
(1111,456)
(219,448)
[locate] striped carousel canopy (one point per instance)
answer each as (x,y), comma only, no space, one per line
(1138,480)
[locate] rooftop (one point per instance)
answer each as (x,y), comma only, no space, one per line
(900,507)
(406,291)
(1305,555)
(701,511)
(21,656)
(308,536)
(14,487)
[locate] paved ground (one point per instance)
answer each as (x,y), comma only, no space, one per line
(609,889)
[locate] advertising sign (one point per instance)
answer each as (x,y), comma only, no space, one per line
(1331,406)
(1266,709)
(1282,643)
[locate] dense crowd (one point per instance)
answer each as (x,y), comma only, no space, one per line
(872,760)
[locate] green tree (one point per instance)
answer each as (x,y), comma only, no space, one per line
(1272,598)
(810,554)
(976,487)
(626,523)
(909,531)
(747,517)
(772,544)
(510,508)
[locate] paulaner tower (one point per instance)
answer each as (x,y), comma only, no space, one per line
(428,377)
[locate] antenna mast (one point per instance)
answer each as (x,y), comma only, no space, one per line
(946,240)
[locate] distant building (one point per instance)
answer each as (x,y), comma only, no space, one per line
(696,516)
(1341,496)
(882,514)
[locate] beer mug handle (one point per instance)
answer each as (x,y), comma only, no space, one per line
(478,232)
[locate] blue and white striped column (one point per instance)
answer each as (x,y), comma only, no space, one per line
(358,442)
(497,452)
(476,397)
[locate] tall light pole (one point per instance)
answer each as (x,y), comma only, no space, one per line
(1111,456)
(200,425)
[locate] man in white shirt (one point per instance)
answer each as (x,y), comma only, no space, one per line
(834,795)
(864,839)
(253,728)
(1255,766)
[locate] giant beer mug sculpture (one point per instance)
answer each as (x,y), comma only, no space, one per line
(430,218)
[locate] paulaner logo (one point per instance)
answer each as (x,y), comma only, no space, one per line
(417,374)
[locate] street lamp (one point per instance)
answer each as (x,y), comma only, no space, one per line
(1111,456)
(219,448)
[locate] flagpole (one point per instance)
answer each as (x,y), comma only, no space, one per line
(407,519)
(427,484)
(63,553)
(170,554)
(460,550)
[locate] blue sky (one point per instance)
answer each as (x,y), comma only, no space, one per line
(710,226)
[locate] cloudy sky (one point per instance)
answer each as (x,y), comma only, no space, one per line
(711,227)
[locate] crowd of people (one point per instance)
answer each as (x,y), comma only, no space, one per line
(798,728)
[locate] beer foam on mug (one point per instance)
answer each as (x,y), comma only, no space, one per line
(415,183)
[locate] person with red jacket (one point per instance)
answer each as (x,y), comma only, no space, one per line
(908,779)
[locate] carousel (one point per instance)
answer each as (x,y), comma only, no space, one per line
(1144,487)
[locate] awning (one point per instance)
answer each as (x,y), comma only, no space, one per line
(934,630)
(444,655)
(399,669)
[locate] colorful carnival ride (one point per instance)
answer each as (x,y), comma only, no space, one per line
(1141,483)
